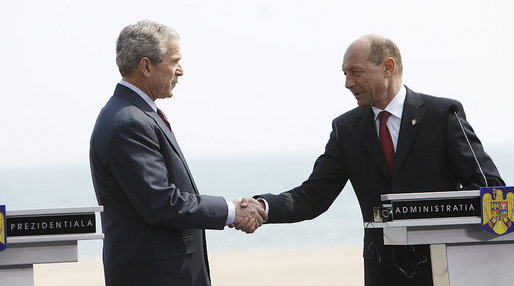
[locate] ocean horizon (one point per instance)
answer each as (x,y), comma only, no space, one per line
(69,185)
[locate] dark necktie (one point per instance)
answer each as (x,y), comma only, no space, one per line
(163,117)
(385,140)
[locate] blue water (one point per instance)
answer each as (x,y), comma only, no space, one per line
(231,177)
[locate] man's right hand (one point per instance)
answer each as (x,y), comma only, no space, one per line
(250,215)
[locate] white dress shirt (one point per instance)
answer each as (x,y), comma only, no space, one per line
(395,107)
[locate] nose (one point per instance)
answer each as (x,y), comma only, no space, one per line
(179,71)
(349,83)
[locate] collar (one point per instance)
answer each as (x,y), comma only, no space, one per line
(395,107)
(140,93)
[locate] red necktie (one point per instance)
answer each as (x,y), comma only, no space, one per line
(385,140)
(163,117)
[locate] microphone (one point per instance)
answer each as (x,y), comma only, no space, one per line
(453,110)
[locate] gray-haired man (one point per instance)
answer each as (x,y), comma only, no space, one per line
(153,216)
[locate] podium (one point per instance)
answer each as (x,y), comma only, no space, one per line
(461,252)
(43,236)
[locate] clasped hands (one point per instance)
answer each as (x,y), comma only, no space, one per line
(250,214)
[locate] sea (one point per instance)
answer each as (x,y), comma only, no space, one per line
(69,185)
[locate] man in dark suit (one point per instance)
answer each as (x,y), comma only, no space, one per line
(153,216)
(416,146)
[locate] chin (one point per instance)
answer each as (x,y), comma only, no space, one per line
(163,96)
(363,104)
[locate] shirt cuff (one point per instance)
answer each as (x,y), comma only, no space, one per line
(231,213)
(266,205)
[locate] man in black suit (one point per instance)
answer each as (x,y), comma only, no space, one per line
(153,216)
(418,147)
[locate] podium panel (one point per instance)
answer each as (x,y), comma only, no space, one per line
(19,275)
(461,252)
(480,264)
(43,236)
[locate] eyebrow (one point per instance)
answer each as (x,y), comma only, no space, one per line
(176,58)
(352,69)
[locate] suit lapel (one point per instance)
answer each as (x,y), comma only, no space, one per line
(173,143)
(369,138)
(412,119)
(167,132)
(136,100)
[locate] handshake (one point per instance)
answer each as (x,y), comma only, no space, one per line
(250,214)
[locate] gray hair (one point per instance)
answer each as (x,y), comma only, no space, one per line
(381,48)
(143,39)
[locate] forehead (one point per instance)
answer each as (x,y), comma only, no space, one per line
(173,50)
(357,55)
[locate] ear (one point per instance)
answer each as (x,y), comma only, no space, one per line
(145,66)
(389,66)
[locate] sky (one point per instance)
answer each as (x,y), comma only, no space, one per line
(260,77)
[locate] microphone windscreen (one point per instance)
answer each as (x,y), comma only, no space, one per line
(453,108)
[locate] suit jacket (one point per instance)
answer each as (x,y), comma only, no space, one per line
(153,216)
(432,155)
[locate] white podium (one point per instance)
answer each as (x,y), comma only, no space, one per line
(23,251)
(461,252)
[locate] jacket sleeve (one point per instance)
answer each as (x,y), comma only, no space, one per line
(314,196)
(137,163)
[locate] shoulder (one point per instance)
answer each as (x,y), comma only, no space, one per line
(430,99)
(430,102)
(119,117)
(119,110)
(352,115)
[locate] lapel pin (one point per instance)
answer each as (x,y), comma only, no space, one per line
(414,121)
